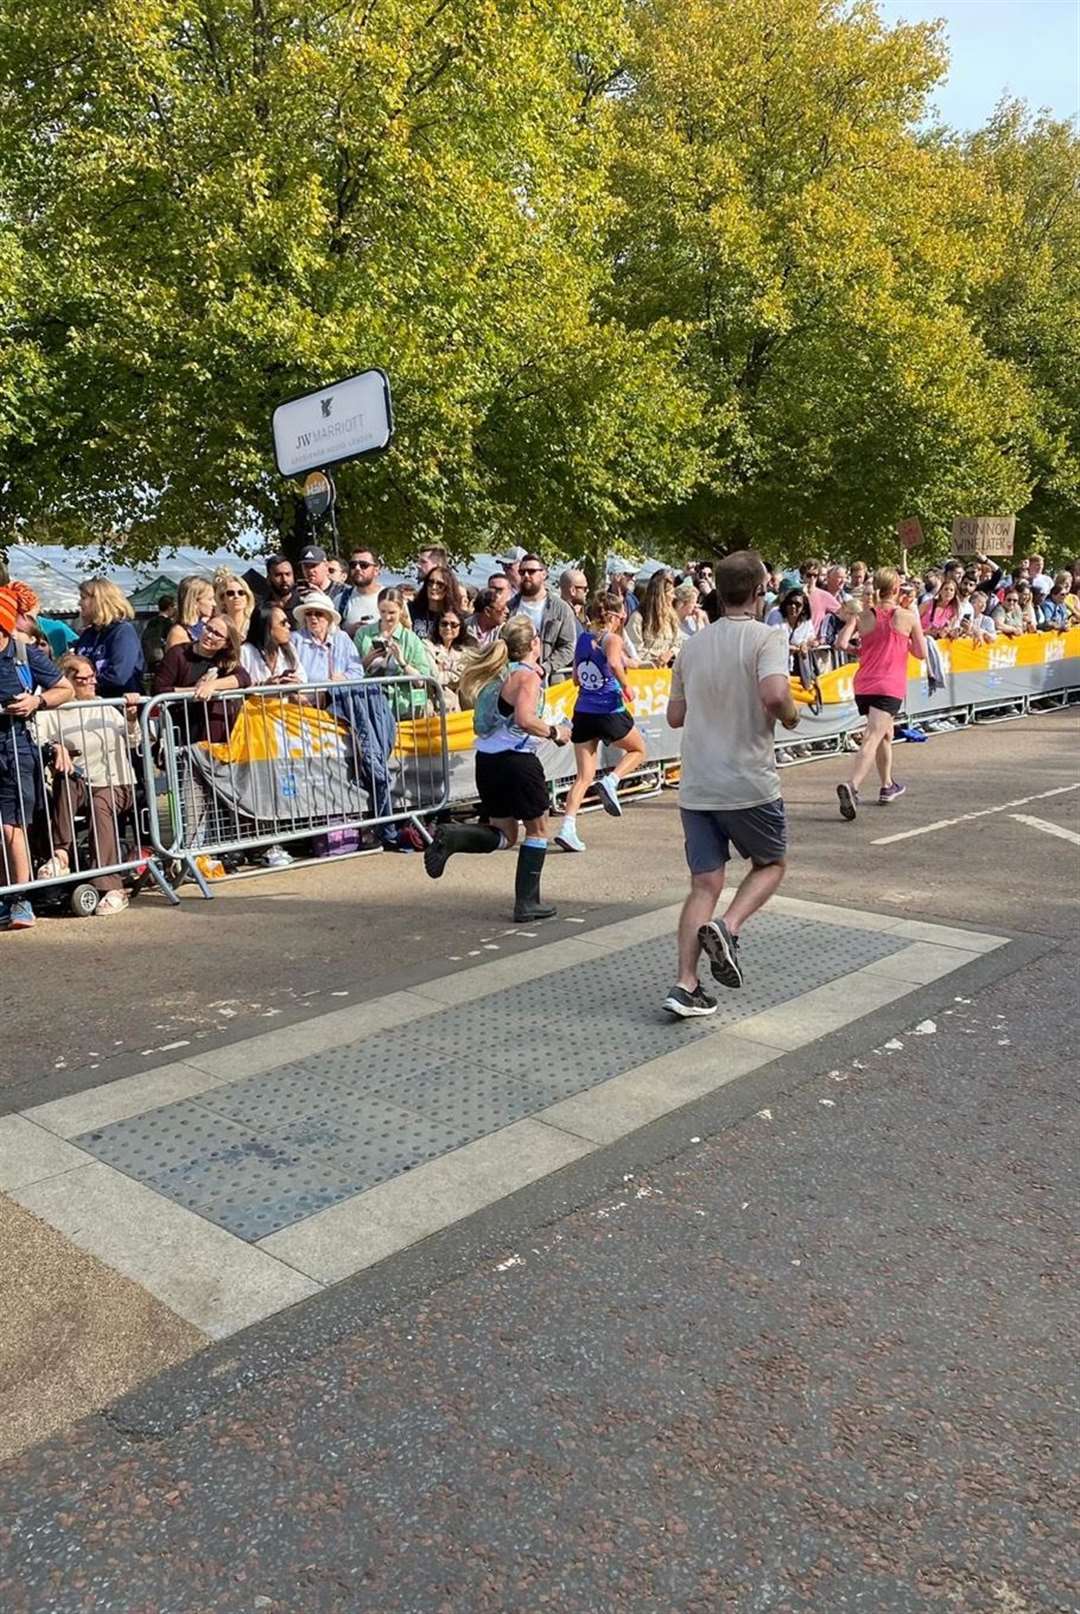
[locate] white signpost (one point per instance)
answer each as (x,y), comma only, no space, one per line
(343,421)
(983,535)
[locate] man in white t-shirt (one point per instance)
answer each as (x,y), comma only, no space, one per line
(729,688)
(361,604)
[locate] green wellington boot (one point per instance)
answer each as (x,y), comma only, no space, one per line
(451,838)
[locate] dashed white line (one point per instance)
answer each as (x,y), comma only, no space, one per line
(1047,828)
(966,818)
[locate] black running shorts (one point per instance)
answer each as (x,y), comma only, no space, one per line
(605,726)
(879,703)
(511,784)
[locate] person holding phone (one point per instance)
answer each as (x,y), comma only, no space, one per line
(388,649)
(30,682)
(268,653)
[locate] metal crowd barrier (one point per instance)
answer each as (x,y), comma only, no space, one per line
(76,790)
(254,768)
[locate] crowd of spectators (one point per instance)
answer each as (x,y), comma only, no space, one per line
(341,624)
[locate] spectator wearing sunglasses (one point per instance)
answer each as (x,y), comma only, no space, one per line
(361,604)
(209,668)
(234,600)
(1012,618)
(552,618)
(448,652)
(1053,613)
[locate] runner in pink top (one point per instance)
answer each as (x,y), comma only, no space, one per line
(887,633)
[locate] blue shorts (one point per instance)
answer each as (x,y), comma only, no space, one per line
(757,833)
(19,773)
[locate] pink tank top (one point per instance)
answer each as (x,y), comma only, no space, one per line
(883,657)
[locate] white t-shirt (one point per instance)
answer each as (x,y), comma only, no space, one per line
(360,609)
(533,609)
(728,755)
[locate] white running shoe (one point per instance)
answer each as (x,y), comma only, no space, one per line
(276,857)
(609,795)
(569,840)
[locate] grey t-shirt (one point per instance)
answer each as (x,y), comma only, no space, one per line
(728,755)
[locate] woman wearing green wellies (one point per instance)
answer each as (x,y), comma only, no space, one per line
(505,686)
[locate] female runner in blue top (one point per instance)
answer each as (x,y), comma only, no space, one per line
(600,714)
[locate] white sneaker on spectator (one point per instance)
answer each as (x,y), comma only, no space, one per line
(57,865)
(569,839)
(276,857)
(112,902)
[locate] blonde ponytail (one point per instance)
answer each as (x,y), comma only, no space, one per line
(513,643)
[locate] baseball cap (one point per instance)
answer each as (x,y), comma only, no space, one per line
(512,556)
(312,555)
(617,567)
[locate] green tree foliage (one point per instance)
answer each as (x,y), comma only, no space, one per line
(655,273)
(221,204)
(1028,311)
(779,203)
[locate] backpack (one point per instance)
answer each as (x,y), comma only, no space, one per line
(486,715)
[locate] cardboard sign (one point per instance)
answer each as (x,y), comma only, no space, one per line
(910,532)
(983,535)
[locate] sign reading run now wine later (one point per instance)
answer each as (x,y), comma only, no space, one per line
(983,535)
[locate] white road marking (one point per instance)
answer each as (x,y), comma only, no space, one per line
(1046,827)
(965,818)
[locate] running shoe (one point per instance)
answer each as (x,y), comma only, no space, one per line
(721,948)
(689,1005)
(889,793)
(849,801)
(21,916)
(569,840)
(609,795)
(276,857)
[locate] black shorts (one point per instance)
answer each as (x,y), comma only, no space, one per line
(511,784)
(606,726)
(879,703)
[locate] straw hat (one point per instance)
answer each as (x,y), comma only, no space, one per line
(316,600)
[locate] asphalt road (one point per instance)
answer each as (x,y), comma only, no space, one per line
(822,1361)
(815,1351)
(87,1000)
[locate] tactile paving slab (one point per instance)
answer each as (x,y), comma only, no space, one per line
(261,1153)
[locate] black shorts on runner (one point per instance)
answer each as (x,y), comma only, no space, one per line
(511,784)
(879,703)
(606,726)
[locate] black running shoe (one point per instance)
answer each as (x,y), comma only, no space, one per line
(721,948)
(848,798)
(436,855)
(689,1005)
